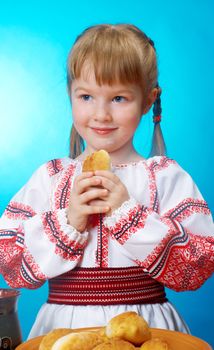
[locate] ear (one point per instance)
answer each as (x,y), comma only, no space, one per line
(151,99)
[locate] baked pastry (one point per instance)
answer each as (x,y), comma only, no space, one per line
(129,326)
(115,344)
(78,341)
(155,344)
(99,160)
(49,339)
(102,333)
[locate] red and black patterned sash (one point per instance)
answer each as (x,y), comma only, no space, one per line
(105,286)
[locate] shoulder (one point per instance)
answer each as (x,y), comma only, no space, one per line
(166,170)
(164,165)
(171,180)
(56,166)
(52,169)
(160,163)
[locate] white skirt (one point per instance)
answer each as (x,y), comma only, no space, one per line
(53,316)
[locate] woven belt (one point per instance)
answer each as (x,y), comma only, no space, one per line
(105,286)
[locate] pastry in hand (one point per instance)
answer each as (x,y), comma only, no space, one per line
(102,333)
(78,341)
(155,344)
(49,339)
(129,326)
(115,344)
(99,160)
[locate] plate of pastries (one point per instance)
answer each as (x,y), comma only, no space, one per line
(126,331)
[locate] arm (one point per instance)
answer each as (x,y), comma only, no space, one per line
(173,238)
(36,242)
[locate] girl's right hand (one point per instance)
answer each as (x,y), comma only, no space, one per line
(85,189)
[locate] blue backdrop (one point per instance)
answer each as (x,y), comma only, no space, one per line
(35,116)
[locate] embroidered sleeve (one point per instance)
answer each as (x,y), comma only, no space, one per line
(173,238)
(36,243)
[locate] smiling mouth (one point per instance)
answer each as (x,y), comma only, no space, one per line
(103,131)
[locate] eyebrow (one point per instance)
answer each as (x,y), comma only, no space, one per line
(80,88)
(116,92)
(130,91)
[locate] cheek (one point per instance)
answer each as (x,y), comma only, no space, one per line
(77,113)
(133,120)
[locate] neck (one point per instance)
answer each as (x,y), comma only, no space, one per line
(120,156)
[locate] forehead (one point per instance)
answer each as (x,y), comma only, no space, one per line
(90,86)
(88,79)
(107,71)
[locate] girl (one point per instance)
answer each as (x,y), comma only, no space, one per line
(108,241)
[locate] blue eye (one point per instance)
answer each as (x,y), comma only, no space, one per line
(118,99)
(85,97)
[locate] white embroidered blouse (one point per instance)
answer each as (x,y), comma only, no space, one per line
(165,227)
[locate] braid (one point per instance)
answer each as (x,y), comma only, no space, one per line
(158,147)
(157,105)
(158,144)
(76,143)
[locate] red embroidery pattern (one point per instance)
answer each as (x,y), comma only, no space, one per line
(64,245)
(32,269)
(99,247)
(20,237)
(104,286)
(105,237)
(129,224)
(182,261)
(62,193)
(152,169)
(102,244)
(54,166)
(188,207)
(154,201)
(7,234)
(13,266)
(175,236)
(164,163)
(191,266)
(17,211)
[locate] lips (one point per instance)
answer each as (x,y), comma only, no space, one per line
(103,131)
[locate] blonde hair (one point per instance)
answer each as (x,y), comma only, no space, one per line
(116,53)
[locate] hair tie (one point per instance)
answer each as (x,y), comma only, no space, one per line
(157,108)
(156,119)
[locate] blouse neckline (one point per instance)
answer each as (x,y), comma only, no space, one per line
(143,161)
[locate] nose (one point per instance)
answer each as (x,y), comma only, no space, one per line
(102,112)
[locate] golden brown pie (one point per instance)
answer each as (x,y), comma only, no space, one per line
(78,341)
(115,344)
(155,344)
(49,339)
(129,326)
(99,160)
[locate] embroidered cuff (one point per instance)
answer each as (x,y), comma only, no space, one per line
(126,220)
(68,229)
(119,213)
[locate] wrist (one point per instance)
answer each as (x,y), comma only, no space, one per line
(80,227)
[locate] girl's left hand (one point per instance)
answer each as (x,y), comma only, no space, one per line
(117,191)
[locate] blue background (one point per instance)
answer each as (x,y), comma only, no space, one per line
(35,116)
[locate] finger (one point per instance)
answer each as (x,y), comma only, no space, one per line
(86,183)
(93,209)
(93,194)
(108,183)
(107,174)
(80,177)
(84,175)
(98,203)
